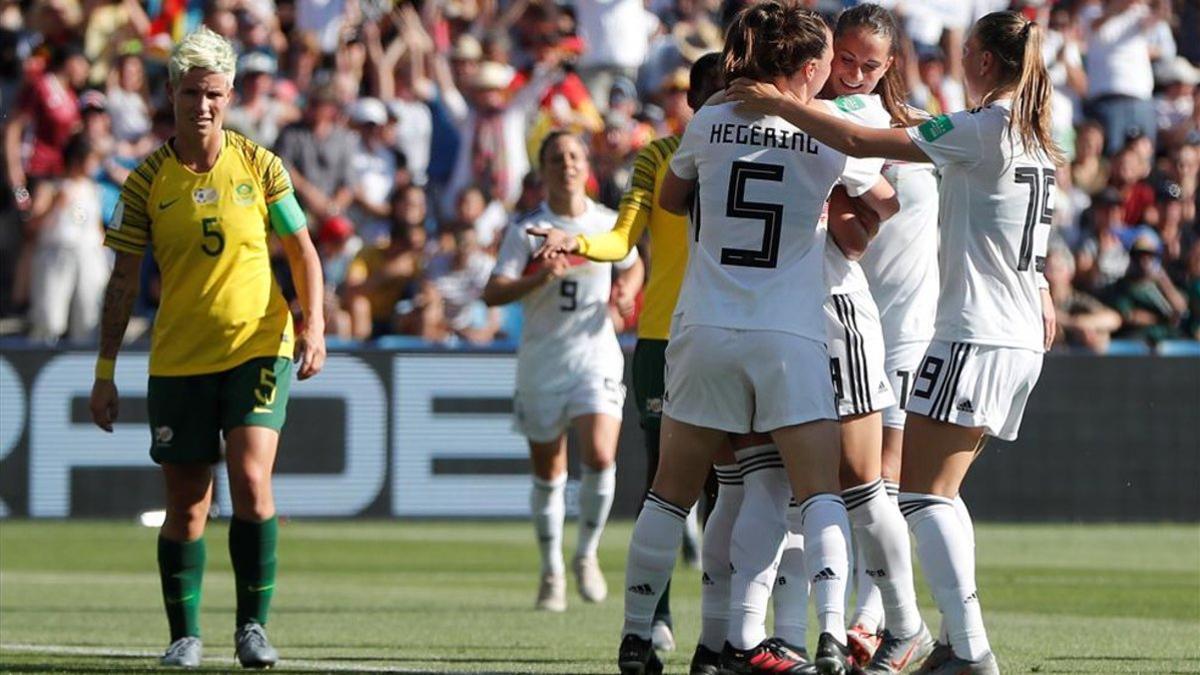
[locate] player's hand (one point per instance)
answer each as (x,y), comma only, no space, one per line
(103,404)
(555,268)
(624,298)
(1049,320)
(310,353)
(558,243)
(755,96)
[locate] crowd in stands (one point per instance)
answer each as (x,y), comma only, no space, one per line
(409,130)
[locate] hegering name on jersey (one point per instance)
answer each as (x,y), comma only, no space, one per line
(767,137)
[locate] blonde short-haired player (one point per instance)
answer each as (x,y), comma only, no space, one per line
(205,204)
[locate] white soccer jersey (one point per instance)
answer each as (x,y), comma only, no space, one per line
(842,274)
(901,264)
(757,258)
(566,333)
(996,209)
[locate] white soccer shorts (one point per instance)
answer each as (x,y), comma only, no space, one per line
(856,353)
(544,416)
(746,380)
(975,385)
(901,362)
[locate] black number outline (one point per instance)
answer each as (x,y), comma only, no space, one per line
(1039,212)
(569,290)
(212,233)
(770,214)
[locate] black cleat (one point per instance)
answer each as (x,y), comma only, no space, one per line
(636,657)
(832,657)
(705,662)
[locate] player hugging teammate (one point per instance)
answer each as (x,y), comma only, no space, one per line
(750,352)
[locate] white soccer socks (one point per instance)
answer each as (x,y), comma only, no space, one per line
(822,521)
(596,489)
(948,558)
(714,558)
(881,542)
(548,504)
(651,558)
(758,536)
(791,593)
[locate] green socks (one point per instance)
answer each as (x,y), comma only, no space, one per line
(181,568)
(252,551)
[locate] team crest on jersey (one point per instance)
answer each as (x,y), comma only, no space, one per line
(936,128)
(849,103)
(243,194)
(205,195)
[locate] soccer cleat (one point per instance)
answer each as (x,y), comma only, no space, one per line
(952,665)
(252,648)
(832,657)
(862,643)
(941,653)
(552,593)
(636,657)
(770,656)
(662,637)
(589,578)
(895,654)
(183,653)
(705,662)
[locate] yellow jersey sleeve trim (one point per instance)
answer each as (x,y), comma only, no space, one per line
(637,204)
(129,230)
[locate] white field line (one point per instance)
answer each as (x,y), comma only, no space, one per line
(304,664)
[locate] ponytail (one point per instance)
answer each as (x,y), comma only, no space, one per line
(892,89)
(1016,44)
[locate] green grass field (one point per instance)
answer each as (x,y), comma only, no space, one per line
(456,597)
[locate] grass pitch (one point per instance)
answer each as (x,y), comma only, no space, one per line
(456,597)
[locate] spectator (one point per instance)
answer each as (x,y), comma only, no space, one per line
(129,99)
(1102,258)
(114,159)
(1151,307)
(1170,230)
(1176,104)
(1192,289)
(374,165)
(613,154)
(258,113)
(317,152)
(383,274)
(337,245)
(1120,79)
(70,266)
(1128,177)
(1083,321)
(617,34)
(476,210)
(453,306)
(934,92)
(1089,168)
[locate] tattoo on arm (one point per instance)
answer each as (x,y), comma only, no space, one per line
(118,304)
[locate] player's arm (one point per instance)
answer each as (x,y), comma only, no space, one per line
(854,221)
(119,297)
(842,135)
(627,284)
(13,131)
(288,221)
(676,193)
(502,289)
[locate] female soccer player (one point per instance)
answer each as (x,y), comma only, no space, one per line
(747,350)
(569,366)
(639,213)
(994,317)
(221,354)
(865,342)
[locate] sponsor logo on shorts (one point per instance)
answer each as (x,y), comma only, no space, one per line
(163,436)
(882,387)
(654,405)
(965,406)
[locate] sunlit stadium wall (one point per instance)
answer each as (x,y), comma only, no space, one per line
(428,435)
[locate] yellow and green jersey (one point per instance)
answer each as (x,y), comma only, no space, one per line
(220,305)
(668,237)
